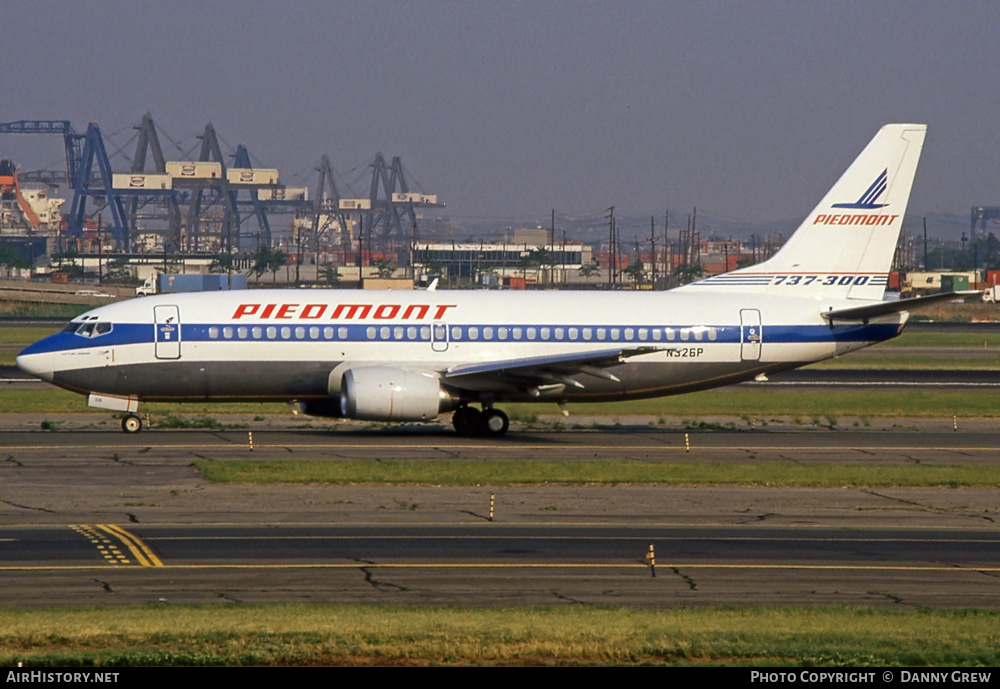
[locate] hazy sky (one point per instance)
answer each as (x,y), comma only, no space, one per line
(748,110)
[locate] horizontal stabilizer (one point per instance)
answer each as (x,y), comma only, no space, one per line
(883,308)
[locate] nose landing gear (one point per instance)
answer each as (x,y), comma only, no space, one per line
(131,423)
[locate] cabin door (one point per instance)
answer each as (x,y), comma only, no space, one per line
(168,332)
(439,337)
(751,334)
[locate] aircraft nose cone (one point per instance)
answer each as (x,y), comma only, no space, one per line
(35,364)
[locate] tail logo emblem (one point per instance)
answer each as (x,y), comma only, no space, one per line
(871,195)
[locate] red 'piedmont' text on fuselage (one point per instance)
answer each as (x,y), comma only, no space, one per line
(331,312)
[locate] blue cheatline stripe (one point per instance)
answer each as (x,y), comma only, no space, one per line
(133,334)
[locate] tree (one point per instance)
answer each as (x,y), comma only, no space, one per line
(636,271)
(589,270)
(384,268)
(65,262)
(221,264)
(268,260)
(687,272)
(12,259)
(331,274)
(120,272)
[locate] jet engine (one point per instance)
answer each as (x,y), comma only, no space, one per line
(381,393)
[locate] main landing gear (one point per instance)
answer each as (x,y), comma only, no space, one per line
(490,422)
(131,423)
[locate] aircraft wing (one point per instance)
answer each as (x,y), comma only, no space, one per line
(882,308)
(532,373)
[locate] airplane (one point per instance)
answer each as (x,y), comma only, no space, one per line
(412,356)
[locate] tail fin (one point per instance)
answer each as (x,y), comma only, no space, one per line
(844,248)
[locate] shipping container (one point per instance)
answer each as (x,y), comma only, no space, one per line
(284,194)
(194,282)
(355,204)
(131,180)
(243,175)
(406,197)
(195,170)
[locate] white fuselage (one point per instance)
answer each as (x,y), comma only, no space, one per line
(295,344)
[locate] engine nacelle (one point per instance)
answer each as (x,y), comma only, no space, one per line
(381,393)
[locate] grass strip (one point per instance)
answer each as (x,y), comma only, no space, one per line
(733,401)
(474,472)
(277,634)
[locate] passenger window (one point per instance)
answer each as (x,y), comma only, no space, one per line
(272,332)
(487,333)
(573,333)
(314,332)
(227,332)
(256,331)
(473,333)
(242,332)
(559,333)
(300,332)
(213,332)
(517,333)
(328,332)
(545,333)
(342,333)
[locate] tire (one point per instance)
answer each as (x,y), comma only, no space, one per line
(495,423)
(467,421)
(131,424)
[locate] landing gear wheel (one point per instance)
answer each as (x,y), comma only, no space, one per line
(131,424)
(467,421)
(495,423)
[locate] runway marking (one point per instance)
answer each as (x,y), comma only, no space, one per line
(101,536)
(142,552)
(563,537)
(108,550)
(967,569)
(506,447)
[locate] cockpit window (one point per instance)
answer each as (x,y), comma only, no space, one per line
(90,329)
